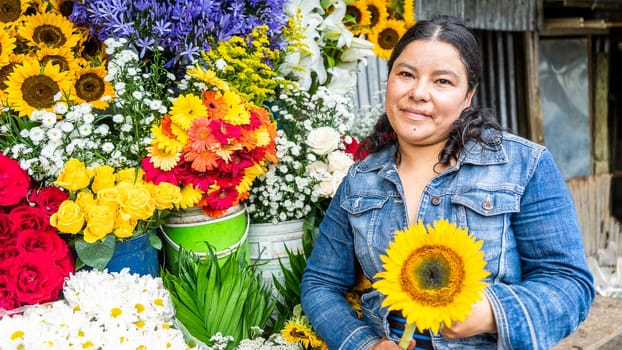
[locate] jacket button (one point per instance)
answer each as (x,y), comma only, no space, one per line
(487,205)
(436,200)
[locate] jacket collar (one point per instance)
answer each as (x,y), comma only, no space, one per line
(473,153)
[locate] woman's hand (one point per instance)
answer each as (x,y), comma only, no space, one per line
(482,320)
(386,344)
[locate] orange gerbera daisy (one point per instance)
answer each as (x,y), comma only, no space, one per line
(216,105)
(200,136)
(201,161)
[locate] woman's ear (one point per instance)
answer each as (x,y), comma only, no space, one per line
(469,98)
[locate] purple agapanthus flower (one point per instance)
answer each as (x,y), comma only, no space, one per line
(182,27)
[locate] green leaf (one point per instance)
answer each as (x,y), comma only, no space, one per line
(97,254)
(155,240)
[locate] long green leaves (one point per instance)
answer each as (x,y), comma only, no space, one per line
(225,296)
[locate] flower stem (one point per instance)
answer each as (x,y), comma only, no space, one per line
(407,337)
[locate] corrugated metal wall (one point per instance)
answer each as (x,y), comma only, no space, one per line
(504,15)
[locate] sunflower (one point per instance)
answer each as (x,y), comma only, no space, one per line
(5,71)
(61,56)
(11,10)
(409,13)
(299,330)
(90,86)
(51,30)
(31,86)
(7,44)
(358,17)
(432,277)
(377,10)
(385,35)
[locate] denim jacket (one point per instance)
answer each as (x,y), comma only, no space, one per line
(511,196)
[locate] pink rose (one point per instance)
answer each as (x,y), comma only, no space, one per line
(36,277)
(25,217)
(48,199)
(14,181)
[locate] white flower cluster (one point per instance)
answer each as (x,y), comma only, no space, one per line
(274,342)
(101,310)
(117,136)
(310,148)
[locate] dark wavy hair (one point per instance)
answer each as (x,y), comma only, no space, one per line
(472,121)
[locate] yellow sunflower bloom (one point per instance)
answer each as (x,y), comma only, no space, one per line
(409,13)
(385,35)
(377,10)
(31,86)
(7,45)
(433,277)
(358,17)
(185,109)
(60,56)
(90,86)
(11,12)
(50,30)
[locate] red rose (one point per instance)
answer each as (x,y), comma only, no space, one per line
(24,217)
(351,144)
(14,181)
(42,242)
(48,199)
(8,297)
(7,252)
(36,277)
(6,234)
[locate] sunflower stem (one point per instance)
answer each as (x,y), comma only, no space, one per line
(407,337)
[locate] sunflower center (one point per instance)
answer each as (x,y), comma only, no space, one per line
(374,15)
(57,60)
(388,38)
(49,35)
(433,275)
(355,13)
(5,71)
(38,91)
(90,87)
(10,10)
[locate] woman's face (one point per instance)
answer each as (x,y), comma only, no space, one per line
(426,92)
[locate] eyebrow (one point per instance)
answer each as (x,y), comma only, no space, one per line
(437,72)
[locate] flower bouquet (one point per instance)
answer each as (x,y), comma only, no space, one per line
(107,205)
(213,143)
(34,260)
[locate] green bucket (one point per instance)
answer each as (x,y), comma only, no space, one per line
(193,230)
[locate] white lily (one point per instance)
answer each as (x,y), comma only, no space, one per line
(333,28)
(359,49)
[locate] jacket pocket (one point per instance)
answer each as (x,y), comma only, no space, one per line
(487,216)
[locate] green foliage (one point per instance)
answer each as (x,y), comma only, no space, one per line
(212,296)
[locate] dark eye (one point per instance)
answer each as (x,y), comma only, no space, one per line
(405,74)
(443,81)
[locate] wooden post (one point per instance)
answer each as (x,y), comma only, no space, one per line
(534,103)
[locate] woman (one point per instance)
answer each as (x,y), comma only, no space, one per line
(432,155)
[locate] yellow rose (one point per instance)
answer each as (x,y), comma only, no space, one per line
(136,200)
(166,195)
(75,176)
(85,200)
(99,223)
(131,175)
(109,197)
(103,178)
(124,228)
(69,217)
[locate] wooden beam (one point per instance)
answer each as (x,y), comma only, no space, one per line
(534,103)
